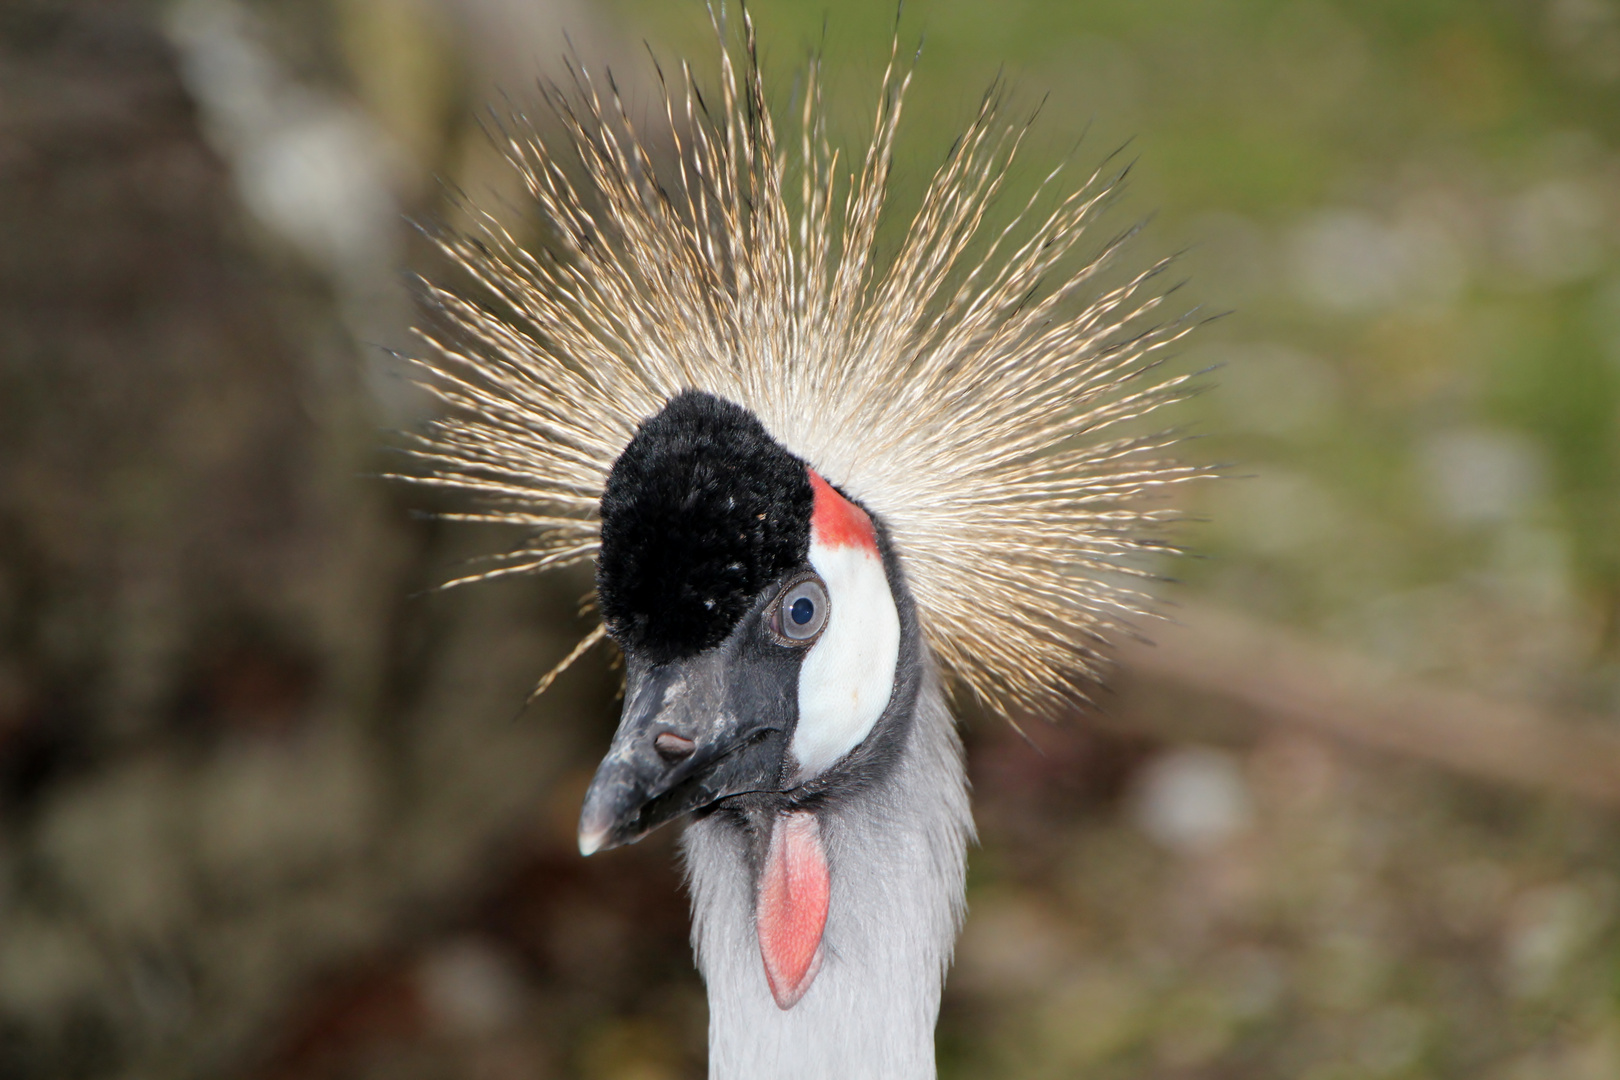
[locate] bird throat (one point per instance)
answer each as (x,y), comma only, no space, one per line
(790,908)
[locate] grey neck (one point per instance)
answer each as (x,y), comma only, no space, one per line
(897,856)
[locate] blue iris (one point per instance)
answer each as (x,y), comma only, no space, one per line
(803,610)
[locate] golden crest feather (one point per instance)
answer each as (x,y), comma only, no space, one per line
(986,415)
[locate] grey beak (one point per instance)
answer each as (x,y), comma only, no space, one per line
(693,731)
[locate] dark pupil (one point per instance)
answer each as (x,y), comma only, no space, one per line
(803,610)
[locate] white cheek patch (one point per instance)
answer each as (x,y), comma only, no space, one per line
(848,675)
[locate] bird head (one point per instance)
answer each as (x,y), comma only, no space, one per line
(762,617)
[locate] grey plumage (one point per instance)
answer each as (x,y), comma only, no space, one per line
(896,908)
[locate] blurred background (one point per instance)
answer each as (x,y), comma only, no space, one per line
(265,810)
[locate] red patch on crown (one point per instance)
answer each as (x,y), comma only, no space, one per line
(837,522)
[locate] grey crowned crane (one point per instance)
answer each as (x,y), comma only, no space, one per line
(815,484)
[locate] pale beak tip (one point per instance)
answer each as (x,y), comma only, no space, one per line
(590,842)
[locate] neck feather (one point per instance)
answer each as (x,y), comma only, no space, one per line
(897,857)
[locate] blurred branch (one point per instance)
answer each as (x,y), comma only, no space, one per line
(1284,678)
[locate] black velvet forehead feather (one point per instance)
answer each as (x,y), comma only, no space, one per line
(700,512)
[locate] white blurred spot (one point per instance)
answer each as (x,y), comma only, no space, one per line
(1482,476)
(1553,233)
(311,168)
(1349,260)
(1549,927)
(469,988)
(1191,799)
(317,181)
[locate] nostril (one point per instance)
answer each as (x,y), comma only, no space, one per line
(673,747)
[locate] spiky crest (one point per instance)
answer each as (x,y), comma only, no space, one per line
(984,416)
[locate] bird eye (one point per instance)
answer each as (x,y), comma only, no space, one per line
(801,612)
